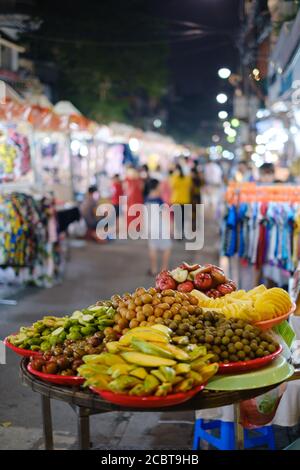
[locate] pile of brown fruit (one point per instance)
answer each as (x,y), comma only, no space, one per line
(65,359)
(148,307)
(229,340)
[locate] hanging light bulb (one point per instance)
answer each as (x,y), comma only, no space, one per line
(224,72)
(221,98)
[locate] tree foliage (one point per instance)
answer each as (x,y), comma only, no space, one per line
(110,55)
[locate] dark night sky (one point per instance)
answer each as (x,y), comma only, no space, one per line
(194,64)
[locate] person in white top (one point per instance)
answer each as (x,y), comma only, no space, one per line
(213,174)
(213,177)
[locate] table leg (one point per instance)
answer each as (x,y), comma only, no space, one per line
(238,428)
(47,422)
(83,425)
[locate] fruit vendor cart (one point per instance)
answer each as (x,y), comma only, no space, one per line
(161,349)
(85,404)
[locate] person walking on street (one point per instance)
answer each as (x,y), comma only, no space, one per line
(166,187)
(180,191)
(146,180)
(213,186)
(133,190)
(117,192)
(158,244)
(195,193)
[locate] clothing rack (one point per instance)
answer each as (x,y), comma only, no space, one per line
(276,215)
(24,187)
(30,247)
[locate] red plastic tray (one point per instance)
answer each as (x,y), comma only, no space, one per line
(21,351)
(267,324)
(55,378)
(147,402)
(246,366)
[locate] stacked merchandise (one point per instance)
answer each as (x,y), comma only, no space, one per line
(264,232)
(29,247)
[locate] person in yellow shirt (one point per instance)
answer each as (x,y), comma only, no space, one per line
(181,186)
(181,189)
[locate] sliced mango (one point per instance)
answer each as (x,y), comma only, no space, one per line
(198,379)
(113,347)
(150,383)
(150,348)
(178,353)
(168,372)
(182,368)
(208,371)
(146,335)
(122,383)
(158,374)
(163,328)
(201,362)
(99,381)
(119,369)
(163,389)
(146,360)
(138,372)
(107,359)
(199,351)
(184,386)
(138,390)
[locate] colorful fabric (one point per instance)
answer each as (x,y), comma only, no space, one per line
(25,226)
(263,233)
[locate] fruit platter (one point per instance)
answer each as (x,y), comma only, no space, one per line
(158,346)
(208,278)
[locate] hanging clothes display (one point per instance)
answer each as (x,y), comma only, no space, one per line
(262,231)
(15,160)
(29,243)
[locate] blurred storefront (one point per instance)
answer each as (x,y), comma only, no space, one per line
(278,125)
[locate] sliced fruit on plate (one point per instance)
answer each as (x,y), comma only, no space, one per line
(189,267)
(147,360)
(179,275)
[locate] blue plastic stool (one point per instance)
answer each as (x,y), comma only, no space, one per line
(226,440)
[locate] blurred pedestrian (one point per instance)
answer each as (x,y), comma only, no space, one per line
(180,190)
(166,187)
(133,190)
(196,186)
(213,186)
(146,179)
(88,212)
(185,163)
(104,185)
(89,206)
(266,176)
(243,172)
(157,174)
(267,173)
(159,244)
(117,192)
